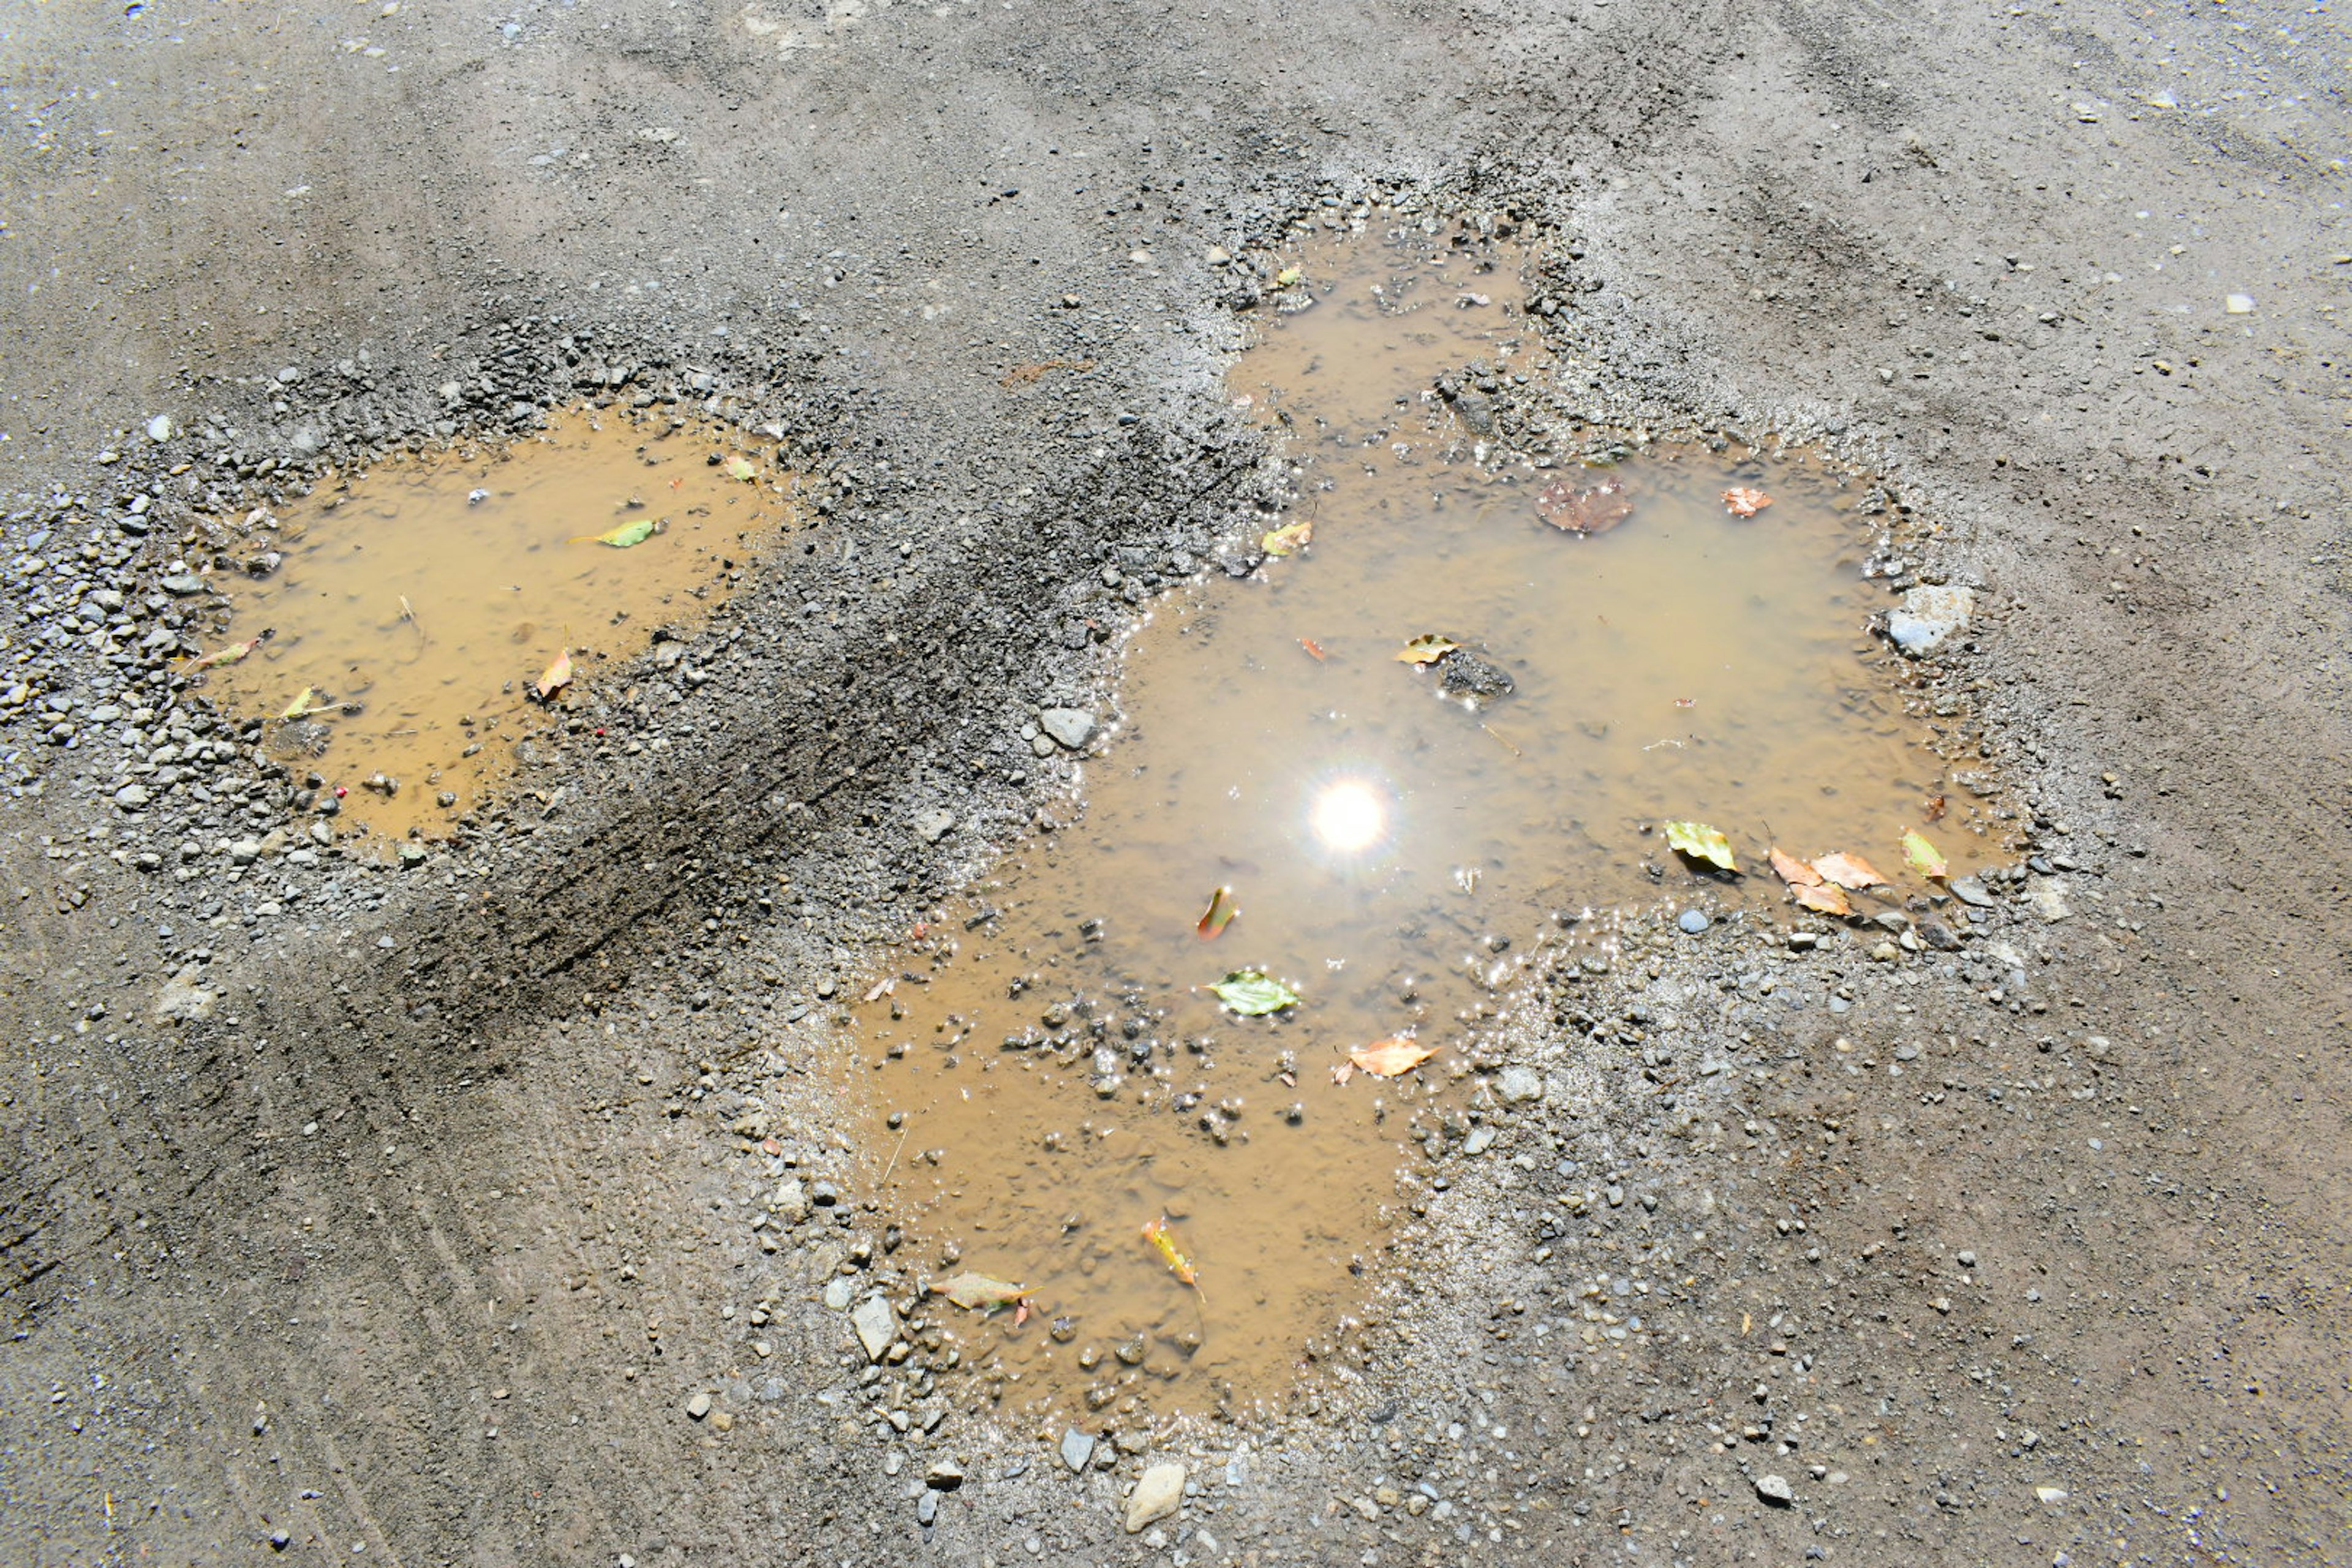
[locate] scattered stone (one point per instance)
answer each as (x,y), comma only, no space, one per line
(791,1200)
(184,1000)
(1693,921)
(2048,897)
(839,1291)
(1156,1496)
(1072,727)
(699,1406)
(944,1476)
(877,1326)
(181,585)
(1928,617)
(1775,1490)
(1464,674)
(2053,1496)
(1077,1448)
(932,825)
(1480,1139)
(159,429)
(1972,892)
(1519,1086)
(130,797)
(927,1507)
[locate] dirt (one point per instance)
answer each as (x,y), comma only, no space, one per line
(485,1210)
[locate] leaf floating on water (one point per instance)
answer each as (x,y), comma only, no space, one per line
(1387,1058)
(1849,872)
(1290,536)
(979,1292)
(1924,857)
(307,704)
(232,654)
(1821,897)
(622,537)
(1595,510)
(1156,1232)
(1427,649)
(741,467)
(1793,871)
(1289,276)
(1218,915)
(1700,842)
(1253,994)
(1742,501)
(1342,1072)
(1312,648)
(558,676)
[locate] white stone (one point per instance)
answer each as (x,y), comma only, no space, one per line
(1158,1494)
(1928,617)
(877,1326)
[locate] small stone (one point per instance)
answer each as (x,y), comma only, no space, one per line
(181,585)
(2048,897)
(2053,1496)
(932,825)
(945,1475)
(1480,1139)
(159,429)
(1077,1448)
(1464,674)
(791,1200)
(1928,617)
(1972,892)
(1072,727)
(1693,921)
(699,1406)
(839,1291)
(183,999)
(1775,1490)
(2238,304)
(130,797)
(1157,1494)
(1519,1086)
(245,851)
(927,1507)
(877,1326)
(720,1421)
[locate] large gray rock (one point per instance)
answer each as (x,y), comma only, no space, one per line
(1073,727)
(1156,1496)
(1928,617)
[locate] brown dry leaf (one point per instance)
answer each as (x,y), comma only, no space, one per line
(1596,509)
(1793,871)
(1387,1058)
(1849,872)
(1427,649)
(1342,1072)
(558,676)
(1218,915)
(1821,897)
(1742,501)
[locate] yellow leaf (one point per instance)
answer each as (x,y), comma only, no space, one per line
(1427,649)
(1925,858)
(1218,915)
(1156,1232)
(1287,538)
(1287,276)
(741,468)
(1700,842)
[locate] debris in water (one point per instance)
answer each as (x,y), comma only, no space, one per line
(1596,509)
(1821,897)
(1924,857)
(1312,647)
(1155,1231)
(1700,842)
(1290,537)
(1742,501)
(1793,871)
(310,702)
(1289,276)
(741,468)
(1253,994)
(1387,1058)
(622,537)
(1427,649)
(557,677)
(476,496)
(229,655)
(1218,915)
(1933,808)
(979,1292)
(1849,872)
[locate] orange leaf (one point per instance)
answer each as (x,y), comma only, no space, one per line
(1742,501)
(1849,872)
(1594,510)
(1311,645)
(1793,871)
(1155,1231)
(1342,1072)
(1218,915)
(1821,898)
(1386,1059)
(558,676)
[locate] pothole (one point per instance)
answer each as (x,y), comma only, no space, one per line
(391,630)
(1161,1204)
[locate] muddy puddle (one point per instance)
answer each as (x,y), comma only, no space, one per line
(413,610)
(1056,1070)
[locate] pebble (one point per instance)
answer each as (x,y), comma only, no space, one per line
(1072,727)
(2053,1496)
(1693,921)
(1928,617)
(877,1326)
(1077,1448)
(1480,1139)
(699,1406)
(839,1291)
(1519,1086)
(1157,1494)
(2048,897)
(1775,1490)
(932,825)
(1972,892)
(945,1475)
(926,1507)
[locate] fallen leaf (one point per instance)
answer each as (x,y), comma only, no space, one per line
(1924,857)
(1700,842)
(1427,649)
(309,703)
(1021,1311)
(1290,536)
(1387,1058)
(1253,994)
(622,537)
(558,676)
(979,1292)
(1793,871)
(1218,915)
(229,655)
(882,987)
(1933,806)
(1849,872)
(1155,1231)
(1342,1072)
(742,469)
(1287,276)
(1686,701)
(1593,510)
(1742,501)
(1821,897)
(1312,647)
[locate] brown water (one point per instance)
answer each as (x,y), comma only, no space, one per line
(421,617)
(1393,851)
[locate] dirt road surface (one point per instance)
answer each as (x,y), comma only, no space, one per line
(368,1215)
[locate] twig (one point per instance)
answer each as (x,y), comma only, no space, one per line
(895,1153)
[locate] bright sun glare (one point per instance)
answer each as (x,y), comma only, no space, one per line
(1349,815)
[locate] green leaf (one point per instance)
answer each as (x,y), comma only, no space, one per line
(979,1292)
(1700,842)
(741,468)
(1289,276)
(623,536)
(1925,858)
(1253,994)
